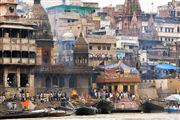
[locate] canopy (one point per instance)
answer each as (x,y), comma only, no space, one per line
(122,66)
(173,97)
(166,67)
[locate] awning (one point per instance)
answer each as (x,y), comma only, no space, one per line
(17,27)
(122,66)
(166,67)
(173,97)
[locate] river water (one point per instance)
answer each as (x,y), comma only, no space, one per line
(118,116)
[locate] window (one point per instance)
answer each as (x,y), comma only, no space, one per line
(72,81)
(61,82)
(55,82)
(178,29)
(7,54)
(90,47)
(1,54)
(99,47)
(16,54)
(161,29)
(24,80)
(11,80)
(108,48)
(24,54)
(32,54)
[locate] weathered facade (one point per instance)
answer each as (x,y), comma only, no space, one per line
(102,48)
(50,76)
(119,77)
(17,51)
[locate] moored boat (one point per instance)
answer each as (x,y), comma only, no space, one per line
(55,113)
(151,107)
(169,110)
(126,105)
(86,110)
(105,106)
(23,114)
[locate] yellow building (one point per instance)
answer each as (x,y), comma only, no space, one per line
(119,77)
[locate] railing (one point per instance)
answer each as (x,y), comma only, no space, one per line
(18,61)
(17,44)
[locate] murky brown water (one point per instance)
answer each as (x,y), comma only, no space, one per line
(118,116)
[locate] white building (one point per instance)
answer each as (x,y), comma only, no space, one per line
(127,42)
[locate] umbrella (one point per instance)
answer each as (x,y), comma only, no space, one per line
(173,97)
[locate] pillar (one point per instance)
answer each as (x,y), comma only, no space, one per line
(136,89)
(31,83)
(18,77)
(66,80)
(5,75)
(128,87)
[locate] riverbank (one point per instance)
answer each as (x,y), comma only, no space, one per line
(119,116)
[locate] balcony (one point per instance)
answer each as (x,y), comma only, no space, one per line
(15,61)
(32,61)
(6,60)
(24,61)
(18,61)
(17,44)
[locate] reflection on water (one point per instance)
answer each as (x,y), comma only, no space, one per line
(118,116)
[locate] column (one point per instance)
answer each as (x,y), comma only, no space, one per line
(66,81)
(18,77)
(31,83)
(5,75)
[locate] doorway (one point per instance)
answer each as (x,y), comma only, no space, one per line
(125,88)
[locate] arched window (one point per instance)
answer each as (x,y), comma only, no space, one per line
(48,82)
(55,82)
(61,82)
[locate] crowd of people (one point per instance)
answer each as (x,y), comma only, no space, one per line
(42,96)
(105,94)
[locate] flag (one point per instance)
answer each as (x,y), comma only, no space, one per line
(25,103)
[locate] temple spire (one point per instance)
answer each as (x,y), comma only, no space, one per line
(37,1)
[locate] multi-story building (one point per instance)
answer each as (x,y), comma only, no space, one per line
(90,4)
(43,36)
(102,48)
(119,77)
(17,50)
(172,9)
(64,49)
(65,21)
(168,29)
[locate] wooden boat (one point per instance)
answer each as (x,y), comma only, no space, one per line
(23,114)
(125,105)
(105,107)
(69,111)
(151,107)
(55,113)
(86,110)
(170,110)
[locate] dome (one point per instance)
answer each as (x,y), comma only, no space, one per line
(68,36)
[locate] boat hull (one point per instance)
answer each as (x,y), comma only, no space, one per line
(23,114)
(149,107)
(172,110)
(86,111)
